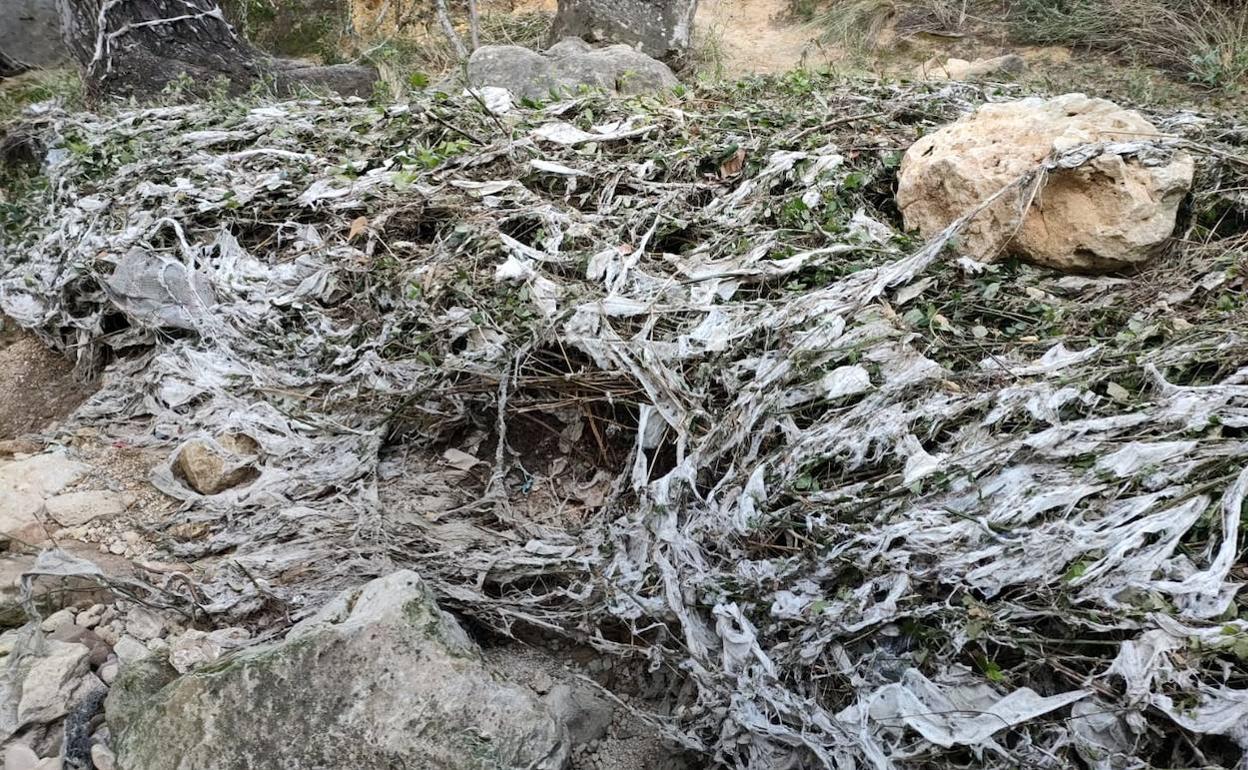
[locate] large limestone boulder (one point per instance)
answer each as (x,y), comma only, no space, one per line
(660,28)
(566,68)
(1110,213)
(381,678)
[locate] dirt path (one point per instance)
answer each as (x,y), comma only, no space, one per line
(754,36)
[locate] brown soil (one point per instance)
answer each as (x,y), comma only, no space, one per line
(756,37)
(37,385)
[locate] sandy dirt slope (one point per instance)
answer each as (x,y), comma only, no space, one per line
(755,36)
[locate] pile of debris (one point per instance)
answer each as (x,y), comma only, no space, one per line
(666,378)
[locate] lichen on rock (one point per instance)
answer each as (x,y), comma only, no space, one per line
(381,677)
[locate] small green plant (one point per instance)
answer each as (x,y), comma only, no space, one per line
(1220,66)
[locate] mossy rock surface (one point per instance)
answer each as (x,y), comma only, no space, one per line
(381,678)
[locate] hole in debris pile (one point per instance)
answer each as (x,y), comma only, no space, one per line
(571,431)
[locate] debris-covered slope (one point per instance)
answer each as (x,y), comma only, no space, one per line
(875,504)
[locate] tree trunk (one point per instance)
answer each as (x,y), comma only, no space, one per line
(10,66)
(135,48)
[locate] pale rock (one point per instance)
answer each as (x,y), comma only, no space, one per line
(19,756)
(57,620)
(109,632)
(1009,65)
(91,616)
(212,466)
(102,757)
(194,648)
(117,547)
(51,763)
(158,647)
(108,672)
(379,678)
(49,684)
(144,624)
(586,714)
(1110,213)
(8,641)
(74,633)
(73,509)
(542,682)
(20,517)
(128,650)
(44,475)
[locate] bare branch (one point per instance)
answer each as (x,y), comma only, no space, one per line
(444,20)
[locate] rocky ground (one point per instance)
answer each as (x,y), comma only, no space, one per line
(794,422)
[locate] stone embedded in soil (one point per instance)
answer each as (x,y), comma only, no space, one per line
(73,509)
(19,756)
(144,624)
(1005,66)
(130,650)
(381,661)
(102,757)
(195,648)
(212,467)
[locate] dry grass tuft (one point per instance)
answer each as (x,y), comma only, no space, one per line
(1202,41)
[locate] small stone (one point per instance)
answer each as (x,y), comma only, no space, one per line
(128,650)
(108,672)
(91,616)
(103,757)
(8,641)
(109,633)
(211,467)
(48,686)
(584,713)
(981,69)
(158,646)
(194,648)
(51,763)
(19,756)
(73,509)
(143,624)
(57,620)
(117,548)
(542,682)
